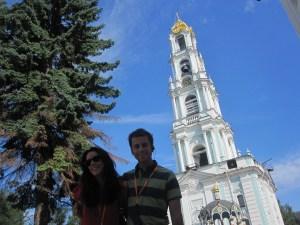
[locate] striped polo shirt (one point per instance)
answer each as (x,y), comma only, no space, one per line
(150,206)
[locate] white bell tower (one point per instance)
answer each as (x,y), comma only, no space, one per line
(200,135)
(218,185)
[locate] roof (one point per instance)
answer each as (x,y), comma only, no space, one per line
(227,204)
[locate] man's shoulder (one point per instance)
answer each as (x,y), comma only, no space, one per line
(128,174)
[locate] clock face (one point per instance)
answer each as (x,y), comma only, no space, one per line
(186,82)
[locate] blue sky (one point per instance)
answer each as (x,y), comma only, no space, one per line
(251,52)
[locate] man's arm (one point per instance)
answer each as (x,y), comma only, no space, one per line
(175,212)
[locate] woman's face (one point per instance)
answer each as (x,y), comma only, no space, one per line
(94,163)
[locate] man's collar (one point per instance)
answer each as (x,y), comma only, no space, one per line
(148,170)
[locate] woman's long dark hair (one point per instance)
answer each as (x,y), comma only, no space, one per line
(92,193)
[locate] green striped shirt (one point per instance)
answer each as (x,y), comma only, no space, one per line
(150,208)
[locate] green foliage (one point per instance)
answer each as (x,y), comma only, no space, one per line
(62,216)
(49,83)
(73,220)
(58,162)
(59,217)
(288,215)
(9,215)
(78,140)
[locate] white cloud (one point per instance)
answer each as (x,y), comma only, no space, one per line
(286,172)
(150,119)
(249,6)
(122,23)
(158,118)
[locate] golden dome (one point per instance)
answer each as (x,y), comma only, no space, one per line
(215,188)
(180,26)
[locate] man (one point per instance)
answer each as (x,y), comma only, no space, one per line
(152,189)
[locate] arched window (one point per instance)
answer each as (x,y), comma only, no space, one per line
(226,217)
(191,105)
(241,201)
(217,219)
(200,156)
(185,67)
(181,42)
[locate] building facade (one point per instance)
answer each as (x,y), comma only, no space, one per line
(219,186)
(292,8)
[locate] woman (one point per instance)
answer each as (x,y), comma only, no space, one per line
(97,195)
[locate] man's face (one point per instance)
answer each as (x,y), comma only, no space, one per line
(141,149)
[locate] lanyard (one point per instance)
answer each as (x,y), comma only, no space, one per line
(103,211)
(138,193)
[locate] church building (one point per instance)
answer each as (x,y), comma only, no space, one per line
(219,185)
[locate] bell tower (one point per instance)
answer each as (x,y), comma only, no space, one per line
(218,185)
(200,136)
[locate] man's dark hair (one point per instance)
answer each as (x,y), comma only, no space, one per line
(140,132)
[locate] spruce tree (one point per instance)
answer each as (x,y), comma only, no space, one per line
(9,215)
(50,84)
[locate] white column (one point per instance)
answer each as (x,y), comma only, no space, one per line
(202,98)
(218,105)
(190,160)
(194,63)
(227,147)
(179,107)
(174,45)
(175,108)
(209,150)
(217,151)
(181,166)
(233,149)
(206,97)
(199,68)
(211,102)
(221,145)
(199,100)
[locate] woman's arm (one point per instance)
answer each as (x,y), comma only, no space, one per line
(77,205)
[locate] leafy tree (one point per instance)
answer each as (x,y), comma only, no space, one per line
(50,83)
(59,216)
(63,216)
(9,215)
(288,215)
(73,220)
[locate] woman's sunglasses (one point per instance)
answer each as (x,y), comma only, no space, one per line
(97,158)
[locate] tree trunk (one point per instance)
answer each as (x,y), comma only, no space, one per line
(42,214)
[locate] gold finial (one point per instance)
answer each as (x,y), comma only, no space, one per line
(216,191)
(177,16)
(215,188)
